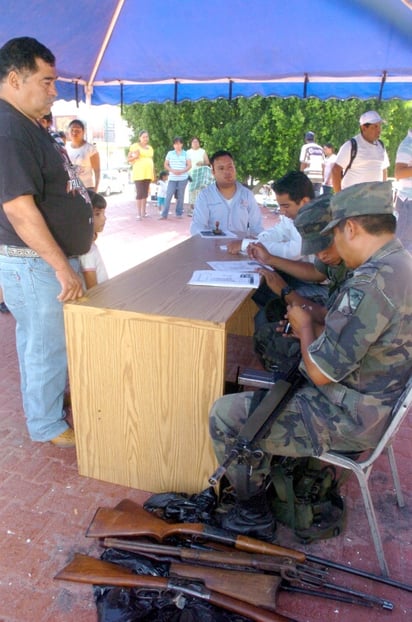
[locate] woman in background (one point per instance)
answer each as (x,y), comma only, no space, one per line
(83,155)
(141,158)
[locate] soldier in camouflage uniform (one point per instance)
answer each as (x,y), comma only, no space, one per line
(277,353)
(354,371)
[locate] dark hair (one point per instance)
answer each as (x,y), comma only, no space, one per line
(220,154)
(374,224)
(329,145)
(21,53)
(163,174)
(296,184)
(143,132)
(76,122)
(178,139)
(48,117)
(98,200)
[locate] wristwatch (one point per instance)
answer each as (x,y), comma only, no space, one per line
(285,291)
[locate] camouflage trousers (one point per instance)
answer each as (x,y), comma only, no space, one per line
(307,426)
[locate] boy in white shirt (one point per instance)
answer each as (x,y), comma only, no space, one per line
(92,265)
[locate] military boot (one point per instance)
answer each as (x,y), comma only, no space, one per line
(251,517)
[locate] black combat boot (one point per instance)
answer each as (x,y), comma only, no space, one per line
(251,517)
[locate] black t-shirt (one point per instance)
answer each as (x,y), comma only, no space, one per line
(33,163)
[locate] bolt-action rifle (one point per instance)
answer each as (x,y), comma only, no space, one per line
(85,569)
(112,522)
(248,567)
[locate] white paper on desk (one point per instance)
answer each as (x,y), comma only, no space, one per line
(235,266)
(220,278)
(210,234)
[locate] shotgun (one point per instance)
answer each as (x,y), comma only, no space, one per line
(113,522)
(248,565)
(139,522)
(85,569)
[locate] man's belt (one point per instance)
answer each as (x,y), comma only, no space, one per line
(22,251)
(17,251)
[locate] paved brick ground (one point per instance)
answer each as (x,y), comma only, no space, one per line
(45,506)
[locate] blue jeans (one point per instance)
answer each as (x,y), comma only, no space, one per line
(172,187)
(30,290)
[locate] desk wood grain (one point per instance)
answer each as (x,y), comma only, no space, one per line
(147,356)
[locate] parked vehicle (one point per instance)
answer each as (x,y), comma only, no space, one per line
(110,181)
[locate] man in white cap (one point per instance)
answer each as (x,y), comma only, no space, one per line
(362,158)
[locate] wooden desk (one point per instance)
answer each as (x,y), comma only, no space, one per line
(147,356)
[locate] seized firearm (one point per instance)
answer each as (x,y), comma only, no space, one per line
(139,522)
(243,449)
(85,569)
(250,567)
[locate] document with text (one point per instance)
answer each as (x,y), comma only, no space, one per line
(221,278)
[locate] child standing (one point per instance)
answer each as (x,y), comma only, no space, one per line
(92,265)
(161,189)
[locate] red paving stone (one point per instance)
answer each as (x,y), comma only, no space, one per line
(45,506)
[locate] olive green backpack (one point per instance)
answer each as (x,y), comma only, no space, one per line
(304,495)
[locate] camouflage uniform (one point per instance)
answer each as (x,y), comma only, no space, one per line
(365,350)
(275,352)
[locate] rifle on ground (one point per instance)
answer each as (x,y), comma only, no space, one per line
(112,522)
(248,567)
(85,569)
(139,522)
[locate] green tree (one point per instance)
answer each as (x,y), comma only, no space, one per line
(264,134)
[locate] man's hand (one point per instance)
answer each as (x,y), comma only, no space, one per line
(273,280)
(71,283)
(300,319)
(257,251)
(234,247)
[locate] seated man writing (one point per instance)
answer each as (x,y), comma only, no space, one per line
(354,370)
(293,191)
(277,353)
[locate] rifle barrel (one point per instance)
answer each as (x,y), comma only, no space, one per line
(358,572)
(139,522)
(85,569)
(112,522)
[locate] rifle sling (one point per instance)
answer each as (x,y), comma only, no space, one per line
(264,410)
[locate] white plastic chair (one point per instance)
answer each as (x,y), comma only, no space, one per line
(363,468)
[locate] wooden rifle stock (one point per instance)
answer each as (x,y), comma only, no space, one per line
(297,556)
(254,588)
(251,565)
(139,522)
(225,558)
(85,569)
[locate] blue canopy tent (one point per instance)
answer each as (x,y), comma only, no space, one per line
(125,51)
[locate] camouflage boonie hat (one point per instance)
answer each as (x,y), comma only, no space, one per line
(369,198)
(311,219)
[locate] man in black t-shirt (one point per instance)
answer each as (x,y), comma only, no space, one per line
(46,222)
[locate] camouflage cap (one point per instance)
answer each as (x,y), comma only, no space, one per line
(368,198)
(311,219)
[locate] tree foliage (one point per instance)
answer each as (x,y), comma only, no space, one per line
(264,134)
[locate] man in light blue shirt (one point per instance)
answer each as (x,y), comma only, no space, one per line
(226,202)
(178,166)
(403,206)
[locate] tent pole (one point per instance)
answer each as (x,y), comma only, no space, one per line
(305,86)
(385,73)
(106,40)
(88,90)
